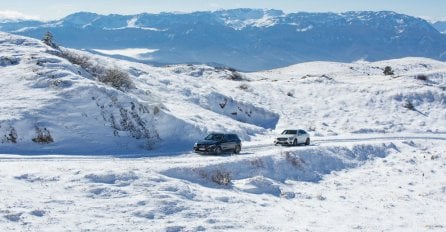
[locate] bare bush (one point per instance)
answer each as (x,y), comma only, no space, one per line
(221,177)
(257,163)
(43,136)
(114,77)
(409,105)
(422,77)
(78,59)
(243,87)
(293,160)
(321,197)
(11,137)
(235,76)
(117,79)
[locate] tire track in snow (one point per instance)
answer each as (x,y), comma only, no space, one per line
(187,155)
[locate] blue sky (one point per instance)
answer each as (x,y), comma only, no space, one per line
(54,9)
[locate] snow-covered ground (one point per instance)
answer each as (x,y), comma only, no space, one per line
(81,153)
(352,186)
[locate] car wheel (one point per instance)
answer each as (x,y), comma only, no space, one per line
(307,142)
(237,149)
(295,142)
(218,150)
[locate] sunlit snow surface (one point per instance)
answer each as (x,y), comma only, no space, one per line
(373,164)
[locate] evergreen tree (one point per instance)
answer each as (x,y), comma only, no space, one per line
(48,40)
(388,70)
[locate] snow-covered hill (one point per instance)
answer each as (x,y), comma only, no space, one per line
(246,39)
(62,96)
(376,161)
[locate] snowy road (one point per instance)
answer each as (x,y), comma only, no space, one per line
(249,148)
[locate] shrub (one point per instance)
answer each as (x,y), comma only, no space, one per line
(221,178)
(11,137)
(117,79)
(114,77)
(388,71)
(43,136)
(293,160)
(409,105)
(78,59)
(257,163)
(235,76)
(421,77)
(244,87)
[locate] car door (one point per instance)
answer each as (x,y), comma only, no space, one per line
(300,136)
(230,142)
(225,143)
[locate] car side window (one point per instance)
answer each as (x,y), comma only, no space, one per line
(232,137)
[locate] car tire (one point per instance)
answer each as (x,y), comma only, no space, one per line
(295,142)
(307,142)
(218,150)
(237,149)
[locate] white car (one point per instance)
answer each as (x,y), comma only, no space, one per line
(293,137)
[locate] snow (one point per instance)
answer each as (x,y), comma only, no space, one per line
(260,19)
(121,158)
(351,186)
(132,23)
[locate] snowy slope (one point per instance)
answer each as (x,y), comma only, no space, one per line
(46,94)
(43,90)
(120,157)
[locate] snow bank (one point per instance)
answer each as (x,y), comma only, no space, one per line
(260,174)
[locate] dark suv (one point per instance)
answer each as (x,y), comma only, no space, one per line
(216,143)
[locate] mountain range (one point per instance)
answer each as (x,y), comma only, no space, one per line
(245,39)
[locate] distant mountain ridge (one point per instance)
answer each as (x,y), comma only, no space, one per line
(247,39)
(440,26)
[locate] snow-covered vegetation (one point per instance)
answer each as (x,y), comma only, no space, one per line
(113,140)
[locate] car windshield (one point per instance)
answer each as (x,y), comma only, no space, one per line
(215,137)
(289,132)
